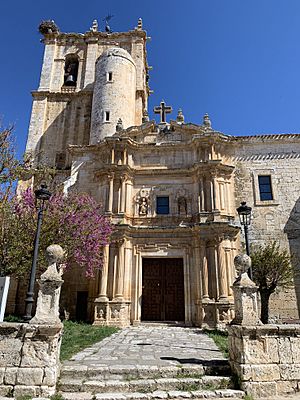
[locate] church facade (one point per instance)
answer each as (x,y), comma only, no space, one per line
(171,189)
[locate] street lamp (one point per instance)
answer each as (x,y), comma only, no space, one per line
(42,195)
(245,218)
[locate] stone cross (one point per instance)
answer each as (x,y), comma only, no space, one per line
(162,109)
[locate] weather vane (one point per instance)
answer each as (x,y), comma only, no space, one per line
(106,19)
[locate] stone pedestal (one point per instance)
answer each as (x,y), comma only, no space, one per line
(245,294)
(217,314)
(112,313)
(47,309)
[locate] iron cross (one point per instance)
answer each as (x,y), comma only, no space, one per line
(162,109)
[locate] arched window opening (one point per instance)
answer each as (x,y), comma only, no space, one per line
(71,70)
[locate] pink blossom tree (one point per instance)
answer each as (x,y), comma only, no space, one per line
(74,221)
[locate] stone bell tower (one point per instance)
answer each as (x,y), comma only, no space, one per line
(89,83)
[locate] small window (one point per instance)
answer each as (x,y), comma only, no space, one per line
(265,187)
(162,205)
(109,76)
(106,116)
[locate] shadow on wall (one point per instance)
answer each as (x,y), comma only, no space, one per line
(292,229)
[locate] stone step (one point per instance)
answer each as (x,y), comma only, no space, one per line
(206,382)
(219,394)
(128,372)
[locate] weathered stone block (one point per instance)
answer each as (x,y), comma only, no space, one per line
(289,371)
(10,376)
(50,376)
(30,376)
(285,350)
(21,390)
(260,389)
(260,373)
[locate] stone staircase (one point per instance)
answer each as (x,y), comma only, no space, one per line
(208,381)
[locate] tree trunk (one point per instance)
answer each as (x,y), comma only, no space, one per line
(264,312)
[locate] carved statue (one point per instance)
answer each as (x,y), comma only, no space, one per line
(182,205)
(143,205)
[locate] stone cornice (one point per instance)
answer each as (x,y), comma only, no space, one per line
(60,95)
(96,37)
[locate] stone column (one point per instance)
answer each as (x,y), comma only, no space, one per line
(102,296)
(222,272)
(212,268)
(123,193)
(111,192)
(201,202)
(203,258)
(120,272)
(215,192)
(128,203)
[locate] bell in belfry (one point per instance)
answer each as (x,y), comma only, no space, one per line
(70,81)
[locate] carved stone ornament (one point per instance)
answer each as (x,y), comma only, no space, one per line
(143,200)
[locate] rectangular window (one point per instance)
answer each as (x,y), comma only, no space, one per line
(162,205)
(109,76)
(106,116)
(265,187)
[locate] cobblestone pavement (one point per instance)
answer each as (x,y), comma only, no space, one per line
(151,345)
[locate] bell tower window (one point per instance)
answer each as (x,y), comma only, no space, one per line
(71,70)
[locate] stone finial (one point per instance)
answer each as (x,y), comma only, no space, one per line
(242,263)
(145,116)
(47,308)
(54,254)
(94,27)
(245,294)
(140,24)
(180,116)
(206,121)
(119,126)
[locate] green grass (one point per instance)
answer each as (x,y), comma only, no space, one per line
(78,335)
(221,340)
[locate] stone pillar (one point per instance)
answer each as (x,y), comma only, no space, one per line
(120,273)
(123,193)
(215,194)
(102,296)
(47,308)
(201,202)
(203,257)
(91,56)
(48,62)
(128,203)
(212,271)
(222,276)
(245,294)
(110,192)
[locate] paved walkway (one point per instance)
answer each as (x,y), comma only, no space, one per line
(151,345)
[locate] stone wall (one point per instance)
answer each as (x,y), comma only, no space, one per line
(29,359)
(277,219)
(266,358)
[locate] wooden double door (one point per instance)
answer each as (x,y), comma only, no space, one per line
(162,289)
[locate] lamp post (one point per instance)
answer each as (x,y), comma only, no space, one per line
(244,212)
(42,195)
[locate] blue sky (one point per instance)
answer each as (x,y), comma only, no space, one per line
(238,60)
